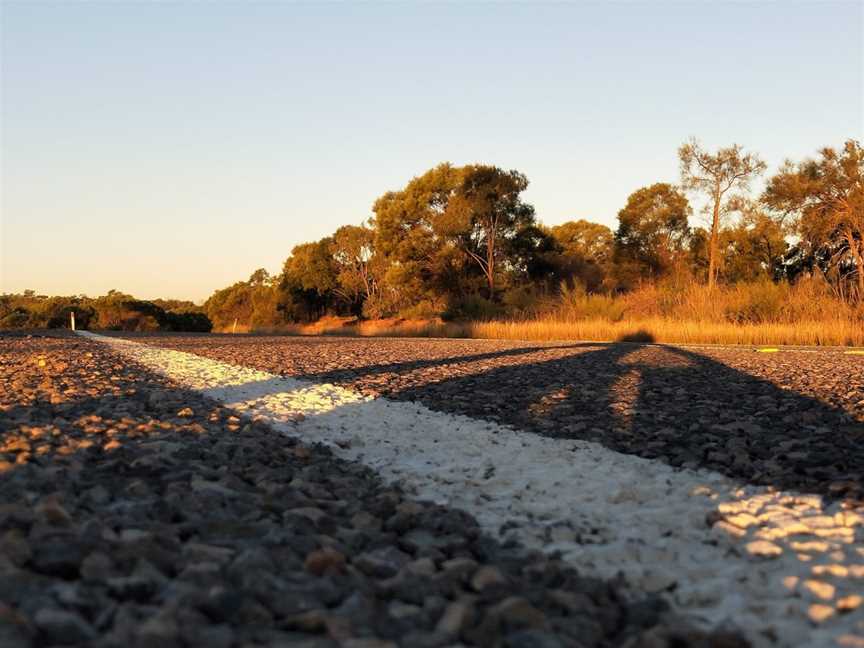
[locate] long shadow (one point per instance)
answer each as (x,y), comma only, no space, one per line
(672,405)
(659,402)
(356,366)
(414,365)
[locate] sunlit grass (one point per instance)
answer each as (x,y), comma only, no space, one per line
(830,333)
(837,332)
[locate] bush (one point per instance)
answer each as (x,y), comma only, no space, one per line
(524,301)
(426,309)
(574,302)
(759,302)
(17,318)
(472,307)
(190,322)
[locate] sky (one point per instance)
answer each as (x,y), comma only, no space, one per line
(169,149)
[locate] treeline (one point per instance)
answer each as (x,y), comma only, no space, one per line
(461,243)
(114,311)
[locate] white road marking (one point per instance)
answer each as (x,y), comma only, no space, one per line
(782,566)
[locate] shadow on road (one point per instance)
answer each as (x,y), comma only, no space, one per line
(660,402)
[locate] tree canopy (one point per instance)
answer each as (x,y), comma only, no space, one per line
(715,175)
(823,198)
(652,232)
(462,241)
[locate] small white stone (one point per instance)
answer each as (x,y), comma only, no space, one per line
(763,549)
(819,613)
(820,589)
(743,520)
(849,603)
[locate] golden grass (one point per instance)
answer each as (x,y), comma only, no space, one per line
(761,313)
(814,333)
(830,333)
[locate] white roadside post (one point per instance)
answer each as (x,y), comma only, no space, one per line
(234,328)
(72,319)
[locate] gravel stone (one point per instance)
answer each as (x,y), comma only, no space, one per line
(797,420)
(136,513)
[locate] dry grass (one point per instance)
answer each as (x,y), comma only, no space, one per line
(837,333)
(825,333)
(353,327)
(761,313)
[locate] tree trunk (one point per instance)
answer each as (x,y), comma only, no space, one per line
(713,242)
(490,263)
(856,249)
(859,262)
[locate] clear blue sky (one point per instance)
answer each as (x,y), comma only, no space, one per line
(170,149)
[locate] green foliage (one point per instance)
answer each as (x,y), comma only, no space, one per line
(714,175)
(824,201)
(575,303)
(484,215)
(426,309)
(525,300)
(754,248)
(252,303)
(472,307)
(652,234)
(416,263)
(113,311)
(18,317)
(585,253)
(460,242)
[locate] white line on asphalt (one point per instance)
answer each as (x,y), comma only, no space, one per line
(779,564)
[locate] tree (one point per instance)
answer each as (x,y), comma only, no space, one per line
(352,248)
(531,255)
(825,200)
(716,175)
(414,262)
(586,251)
(754,248)
(260,278)
(311,266)
(308,280)
(484,212)
(652,231)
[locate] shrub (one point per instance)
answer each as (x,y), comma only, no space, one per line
(524,301)
(17,318)
(191,322)
(575,302)
(472,307)
(423,310)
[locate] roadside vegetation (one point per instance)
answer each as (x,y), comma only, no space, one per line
(114,311)
(458,252)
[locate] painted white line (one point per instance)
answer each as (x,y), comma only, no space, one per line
(782,566)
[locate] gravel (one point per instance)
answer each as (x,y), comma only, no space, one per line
(790,420)
(134,512)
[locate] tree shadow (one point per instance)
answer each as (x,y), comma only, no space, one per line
(659,402)
(673,405)
(355,365)
(640,337)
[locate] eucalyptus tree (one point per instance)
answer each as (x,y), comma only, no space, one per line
(715,175)
(652,231)
(353,251)
(484,214)
(824,198)
(413,260)
(586,251)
